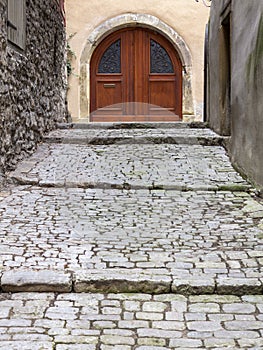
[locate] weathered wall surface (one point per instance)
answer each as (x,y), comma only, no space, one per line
(214,25)
(186,17)
(32,82)
(246,146)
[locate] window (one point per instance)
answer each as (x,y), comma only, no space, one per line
(16,23)
(110,62)
(160,60)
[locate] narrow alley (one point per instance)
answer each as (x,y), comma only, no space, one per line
(130,236)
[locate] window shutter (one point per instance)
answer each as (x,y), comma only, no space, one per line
(16,22)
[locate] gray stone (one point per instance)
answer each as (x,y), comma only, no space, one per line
(26,345)
(216,343)
(186,343)
(190,286)
(205,307)
(116,340)
(243,325)
(204,326)
(35,281)
(154,306)
(239,286)
(240,308)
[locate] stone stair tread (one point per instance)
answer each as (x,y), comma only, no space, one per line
(201,136)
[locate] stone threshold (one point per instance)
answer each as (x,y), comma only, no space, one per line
(133,125)
(106,281)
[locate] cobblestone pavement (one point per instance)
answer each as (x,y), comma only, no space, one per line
(170,238)
(143,210)
(33,321)
(133,165)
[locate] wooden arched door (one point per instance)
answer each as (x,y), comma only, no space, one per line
(136,75)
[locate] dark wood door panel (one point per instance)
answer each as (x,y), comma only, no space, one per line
(109,93)
(161,94)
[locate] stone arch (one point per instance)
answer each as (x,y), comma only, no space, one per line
(141,20)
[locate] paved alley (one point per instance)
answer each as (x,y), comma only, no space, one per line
(130,237)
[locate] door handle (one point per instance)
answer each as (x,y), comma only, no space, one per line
(109,85)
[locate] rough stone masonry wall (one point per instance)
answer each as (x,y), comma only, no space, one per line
(246,148)
(32,82)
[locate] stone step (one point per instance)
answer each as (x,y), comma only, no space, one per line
(110,136)
(126,281)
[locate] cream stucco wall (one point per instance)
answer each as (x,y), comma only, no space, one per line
(186,17)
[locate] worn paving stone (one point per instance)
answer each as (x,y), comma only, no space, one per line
(17,331)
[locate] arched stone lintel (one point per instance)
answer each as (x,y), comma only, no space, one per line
(131,20)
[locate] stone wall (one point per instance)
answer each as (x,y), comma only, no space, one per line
(246,103)
(32,82)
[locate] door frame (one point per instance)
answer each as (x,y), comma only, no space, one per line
(135,20)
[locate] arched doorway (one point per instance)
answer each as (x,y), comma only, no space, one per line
(136,75)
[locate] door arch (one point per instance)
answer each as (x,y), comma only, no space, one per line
(136,75)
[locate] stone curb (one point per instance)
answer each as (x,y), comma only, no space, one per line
(118,285)
(21,180)
(106,282)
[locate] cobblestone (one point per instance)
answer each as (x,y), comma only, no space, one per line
(173,225)
(46,333)
(95,235)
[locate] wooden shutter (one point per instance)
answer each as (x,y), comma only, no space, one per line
(16,22)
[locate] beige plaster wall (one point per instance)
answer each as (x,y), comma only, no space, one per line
(187,17)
